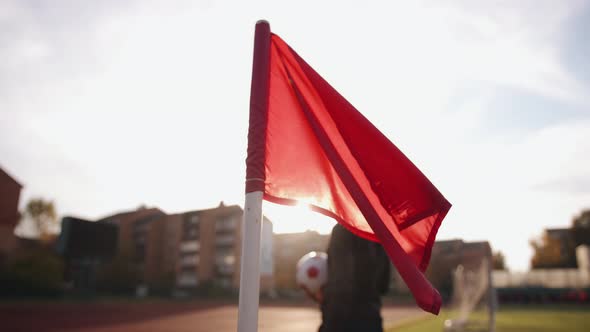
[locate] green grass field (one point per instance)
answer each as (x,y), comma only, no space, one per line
(518,319)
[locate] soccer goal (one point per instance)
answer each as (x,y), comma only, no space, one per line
(473,303)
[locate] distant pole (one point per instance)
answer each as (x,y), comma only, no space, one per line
(252,226)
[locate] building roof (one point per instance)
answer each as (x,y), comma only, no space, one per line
(480,245)
(129,214)
(4,174)
(460,248)
(219,211)
(478,249)
(558,232)
(448,242)
(220,208)
(447,245)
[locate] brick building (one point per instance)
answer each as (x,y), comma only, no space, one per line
(455,252)
(191,248)
(9,215)
(140,237)
(446,256)
(565,244)
(210,247)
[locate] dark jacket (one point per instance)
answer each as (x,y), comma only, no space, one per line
(358,275)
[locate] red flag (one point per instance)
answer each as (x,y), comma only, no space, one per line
(307,144)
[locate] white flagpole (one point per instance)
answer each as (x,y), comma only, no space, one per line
(250,269)
(252,225)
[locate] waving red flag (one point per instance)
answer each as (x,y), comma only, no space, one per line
(307,144)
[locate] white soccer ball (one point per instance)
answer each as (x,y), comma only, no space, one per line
(312,271)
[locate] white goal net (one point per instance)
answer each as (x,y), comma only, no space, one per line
(473,303)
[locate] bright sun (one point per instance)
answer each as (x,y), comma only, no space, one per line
(298,218)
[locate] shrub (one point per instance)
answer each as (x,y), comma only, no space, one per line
(36,272)
(120,276)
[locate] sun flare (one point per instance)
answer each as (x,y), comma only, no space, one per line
(297,218)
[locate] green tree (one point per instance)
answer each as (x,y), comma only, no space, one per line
(34,272)
(553,253)
(498,261)
(44,216)
(164,283)
(559,250)
(119,276)
(581,228)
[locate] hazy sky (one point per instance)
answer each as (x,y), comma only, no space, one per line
(108,105)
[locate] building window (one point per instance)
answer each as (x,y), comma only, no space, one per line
(224,282)
(190,246)
(187,279)
(224,240)
(189,260)
(225,224)
(225,262)
(192,233)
